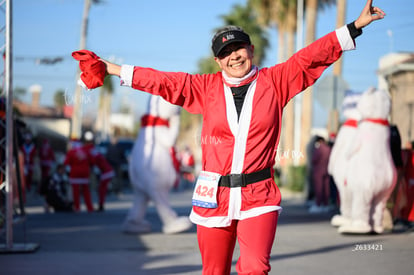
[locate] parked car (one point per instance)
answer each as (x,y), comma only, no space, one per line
(102,147)
(124,146)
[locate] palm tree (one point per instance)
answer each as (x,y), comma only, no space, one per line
(244,17)
(241,16)
(272,13)
(311,9)
(288,119)
(282,15)
(59,100)
(337,67)
(18,92)
(207,65)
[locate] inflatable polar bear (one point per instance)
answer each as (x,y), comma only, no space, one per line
(151,169)
(338,161)
(371,174)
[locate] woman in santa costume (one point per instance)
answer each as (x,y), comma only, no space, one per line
(235,197)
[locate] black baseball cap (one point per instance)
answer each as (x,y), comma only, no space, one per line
(226,36)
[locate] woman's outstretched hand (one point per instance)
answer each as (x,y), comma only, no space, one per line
(111,68)
(368,15)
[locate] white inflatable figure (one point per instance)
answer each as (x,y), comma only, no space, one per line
(371,172)
(338,162)
(151,169)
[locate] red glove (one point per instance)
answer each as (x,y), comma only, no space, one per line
(92,68)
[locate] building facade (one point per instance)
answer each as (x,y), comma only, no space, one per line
(396,75)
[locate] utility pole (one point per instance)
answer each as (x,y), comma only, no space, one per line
(298,99)
(76,126)
(333,125)
(9,128)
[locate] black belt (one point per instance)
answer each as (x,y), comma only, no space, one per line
(242,180)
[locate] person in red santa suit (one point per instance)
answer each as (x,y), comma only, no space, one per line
(29,151)
(403,211)
(47,160)
(106,172)
(79,160)
(320,176)
(46,157)
(235,196)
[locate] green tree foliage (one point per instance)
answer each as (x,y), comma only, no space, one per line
(108,85)
(208,65)
(244,17)
(59,100)
(19,92)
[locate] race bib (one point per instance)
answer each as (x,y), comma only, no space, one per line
(205,191)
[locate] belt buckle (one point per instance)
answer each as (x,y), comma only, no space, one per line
(237,180)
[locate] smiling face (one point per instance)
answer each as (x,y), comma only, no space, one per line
(236,59)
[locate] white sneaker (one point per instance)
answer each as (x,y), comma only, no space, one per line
(181,224)
(379,229)
(339,220)
(355,227)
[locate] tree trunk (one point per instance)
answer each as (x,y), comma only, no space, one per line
(333,125)
(289,111)
(307,95)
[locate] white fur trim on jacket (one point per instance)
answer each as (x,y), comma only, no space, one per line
(127,71)
(345,39)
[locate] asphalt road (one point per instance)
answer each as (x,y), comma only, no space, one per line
(92,243)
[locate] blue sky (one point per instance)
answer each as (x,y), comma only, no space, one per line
(171,36)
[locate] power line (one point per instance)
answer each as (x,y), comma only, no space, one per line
(41,60)
(48,77)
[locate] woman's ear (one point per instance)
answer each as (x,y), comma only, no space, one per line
(218,62)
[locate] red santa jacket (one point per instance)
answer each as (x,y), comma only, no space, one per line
(107,172)
(230,146)
(46,155)
(80,162)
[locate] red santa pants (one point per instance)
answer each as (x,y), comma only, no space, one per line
(84,188)
(255,236)
(102,190)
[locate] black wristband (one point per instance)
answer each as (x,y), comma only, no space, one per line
(353,30)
